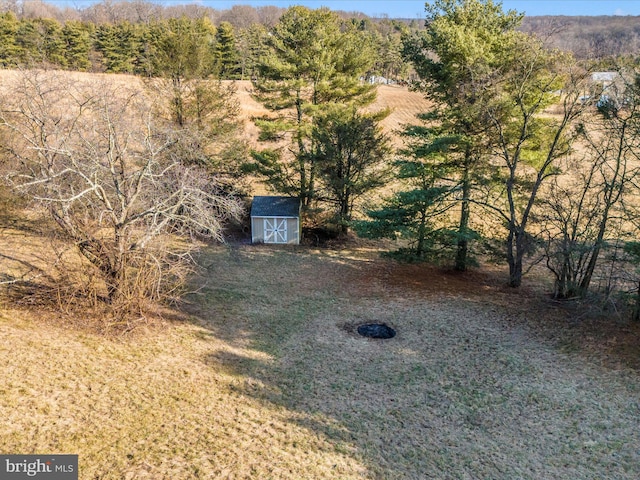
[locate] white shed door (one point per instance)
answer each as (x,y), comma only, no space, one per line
(275,230)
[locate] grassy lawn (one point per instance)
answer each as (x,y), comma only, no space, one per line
(261,375)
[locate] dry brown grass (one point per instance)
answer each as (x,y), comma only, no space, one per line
(261,375)
(404,105)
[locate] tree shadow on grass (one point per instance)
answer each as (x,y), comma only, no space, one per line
(259,299)
(23,279)
(456,385)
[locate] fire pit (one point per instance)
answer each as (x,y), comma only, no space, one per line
(376,330)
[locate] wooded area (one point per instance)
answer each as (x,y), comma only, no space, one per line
(121,36)
(124,37)
(518,131)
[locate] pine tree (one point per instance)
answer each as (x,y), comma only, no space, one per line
(252,46)
(313,59)
(53,41)
(183,54)
(411,214)
(118,45)
(351,154)
(77,39)
(456,58)
(9,50)
(29,43)
(226,52)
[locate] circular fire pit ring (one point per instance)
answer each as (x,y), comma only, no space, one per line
(376,330)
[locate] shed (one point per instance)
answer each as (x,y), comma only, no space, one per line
(275,220)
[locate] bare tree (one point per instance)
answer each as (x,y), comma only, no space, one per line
(613,141)
(39,9)
(240,16)
(529,141)
(576,217)
(112,177)
(107,11)
(269,15)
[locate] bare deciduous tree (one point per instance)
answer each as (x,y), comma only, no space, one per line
(529,144)
(584,214)
(112,177)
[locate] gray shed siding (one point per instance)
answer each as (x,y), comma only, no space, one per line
(258,232)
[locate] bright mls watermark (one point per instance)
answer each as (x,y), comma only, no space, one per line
(45,467)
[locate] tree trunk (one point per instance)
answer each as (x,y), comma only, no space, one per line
(609,198)
(422,233)
(178,103)
(515,274)
(515,254)
(345,213)
(465,210)
(636,312)
(306,193)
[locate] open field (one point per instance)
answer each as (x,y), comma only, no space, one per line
(404,104)
(261,375)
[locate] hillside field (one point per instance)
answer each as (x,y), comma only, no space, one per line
(404,105)
(259,373)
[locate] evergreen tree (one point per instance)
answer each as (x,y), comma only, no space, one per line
(351,153)
(148,39)
(226,52)
(192,98)
(9,49)
(492,84)
(29,44)
(77,40)
(313,59)
(118,45)
(458,58)
(252,46)
(185,48)
(411,214)
(53,43)
(183,53)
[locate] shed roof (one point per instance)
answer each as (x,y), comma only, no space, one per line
(275,207)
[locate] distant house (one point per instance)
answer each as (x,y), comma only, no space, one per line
(275,220)
(605,79)
(379,80)
(609,82)
(611,85)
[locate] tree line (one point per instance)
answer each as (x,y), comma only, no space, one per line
(602,37)
(111,40)
(120,36)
